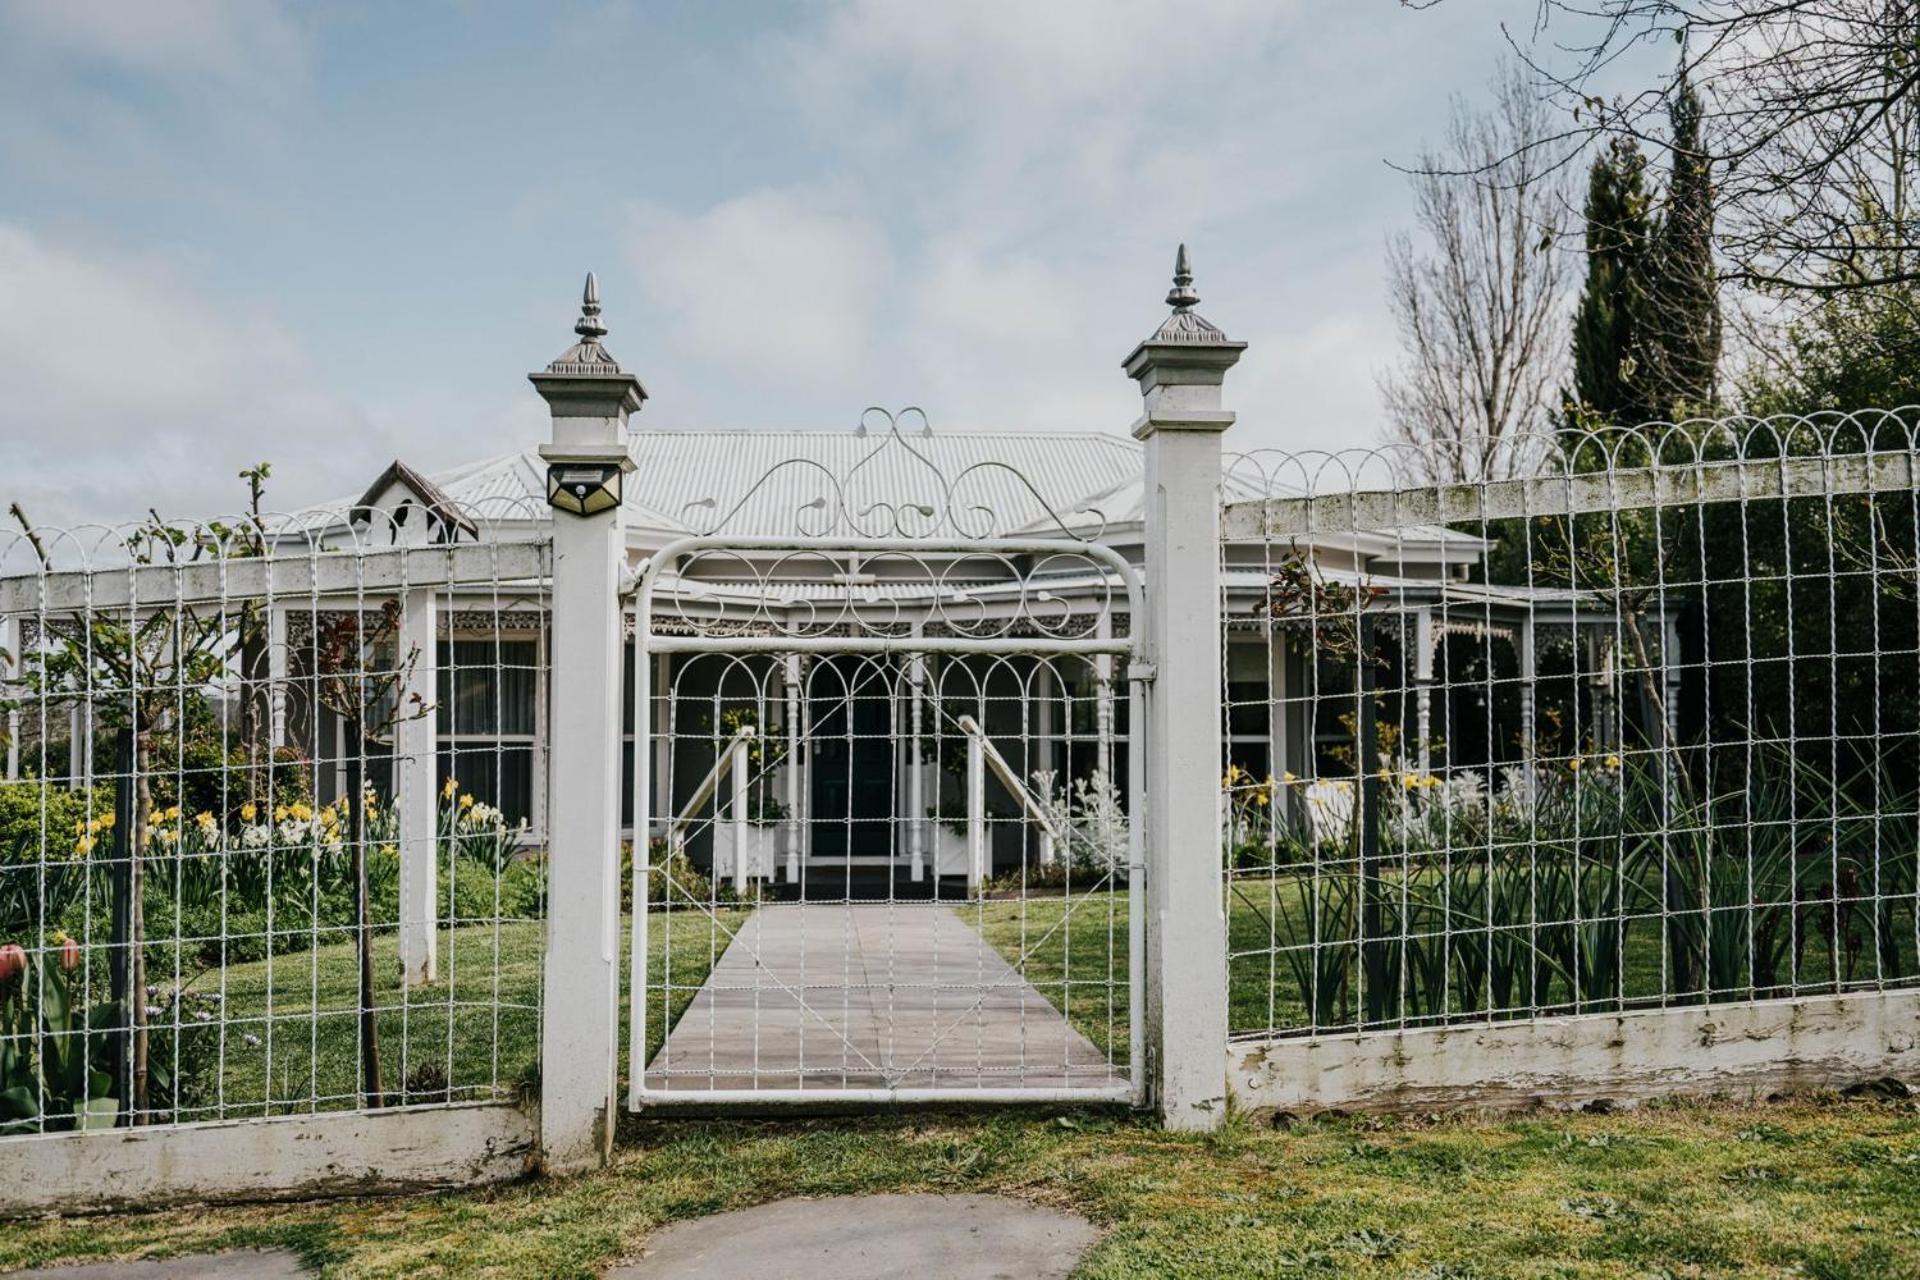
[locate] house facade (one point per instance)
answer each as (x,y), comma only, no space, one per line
(856,767)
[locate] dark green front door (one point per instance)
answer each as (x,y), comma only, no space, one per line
(850,759)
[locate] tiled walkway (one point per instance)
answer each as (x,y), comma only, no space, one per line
(871,995)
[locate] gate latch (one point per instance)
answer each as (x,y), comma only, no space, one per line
(1145,672)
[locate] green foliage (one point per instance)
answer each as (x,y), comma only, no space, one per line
(42,872)
(60,1056)
(1647,330)
(1684,318)
(1606,323)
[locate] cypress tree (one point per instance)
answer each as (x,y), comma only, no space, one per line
(1608,359)
(1683,314)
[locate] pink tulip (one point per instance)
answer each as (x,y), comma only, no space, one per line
(13,961)
(69,955)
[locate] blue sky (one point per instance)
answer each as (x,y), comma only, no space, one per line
(332,235)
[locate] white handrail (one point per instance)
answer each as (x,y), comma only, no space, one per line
(981,751)
(731,760)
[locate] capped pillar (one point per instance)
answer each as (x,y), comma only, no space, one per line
(1181,368)
(590,397)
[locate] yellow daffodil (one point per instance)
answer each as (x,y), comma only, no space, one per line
(280,813)
(1613,762)
(453,785)
(1288,777)
(1574,764)
(83,846)
(205,820)
(106,822)
(466,802)
(79,826)
(249,811)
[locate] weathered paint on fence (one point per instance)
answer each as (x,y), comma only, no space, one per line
(1722,1049)
(286,1157)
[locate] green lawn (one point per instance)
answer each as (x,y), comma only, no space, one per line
(291,1024)
(1071,948)
(1809,1188)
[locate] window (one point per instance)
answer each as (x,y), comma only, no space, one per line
(488,702)
(1249,734)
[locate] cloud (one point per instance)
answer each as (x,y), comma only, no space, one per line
(122,97)
(126,388)
(253,47)
(778,283)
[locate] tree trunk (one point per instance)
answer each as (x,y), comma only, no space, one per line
(136,1005)
(363,912)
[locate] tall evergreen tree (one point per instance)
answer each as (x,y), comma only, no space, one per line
(1608,359)
(1683,312)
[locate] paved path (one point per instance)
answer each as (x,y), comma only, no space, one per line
(871,995)
(870,1238)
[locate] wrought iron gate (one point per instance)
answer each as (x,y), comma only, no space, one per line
(885,809)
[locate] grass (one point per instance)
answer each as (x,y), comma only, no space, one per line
(473,1033)
(1074,951)
(1814,1187)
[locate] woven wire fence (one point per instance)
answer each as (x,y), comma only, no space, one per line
(1625,719)
(271,816)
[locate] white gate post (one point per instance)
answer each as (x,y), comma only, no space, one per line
(416,782)
(590,397)
(1180,370)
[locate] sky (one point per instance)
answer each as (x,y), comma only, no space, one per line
(330,236)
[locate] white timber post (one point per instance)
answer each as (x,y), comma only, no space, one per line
(10,659)
(1180,370)
(419,791)
(737,815)
(790,674)
(976,812)
(1423,689)
(277,667)
(590,397)
(1529,693)
(916,768)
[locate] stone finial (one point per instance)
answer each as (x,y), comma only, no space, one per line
(589,326)
(585,386)
(1181,365)
(1182,296)
(587,356)
(1186,325)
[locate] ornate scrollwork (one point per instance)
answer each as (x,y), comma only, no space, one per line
(898,489)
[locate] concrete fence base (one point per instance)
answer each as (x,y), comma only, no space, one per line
(286,1157)
(1749,1050)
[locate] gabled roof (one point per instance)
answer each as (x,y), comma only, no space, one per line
(445,512)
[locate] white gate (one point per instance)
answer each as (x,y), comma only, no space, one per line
(885,774)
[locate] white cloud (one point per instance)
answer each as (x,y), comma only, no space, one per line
(774,283)
(127,389)
(250,46)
